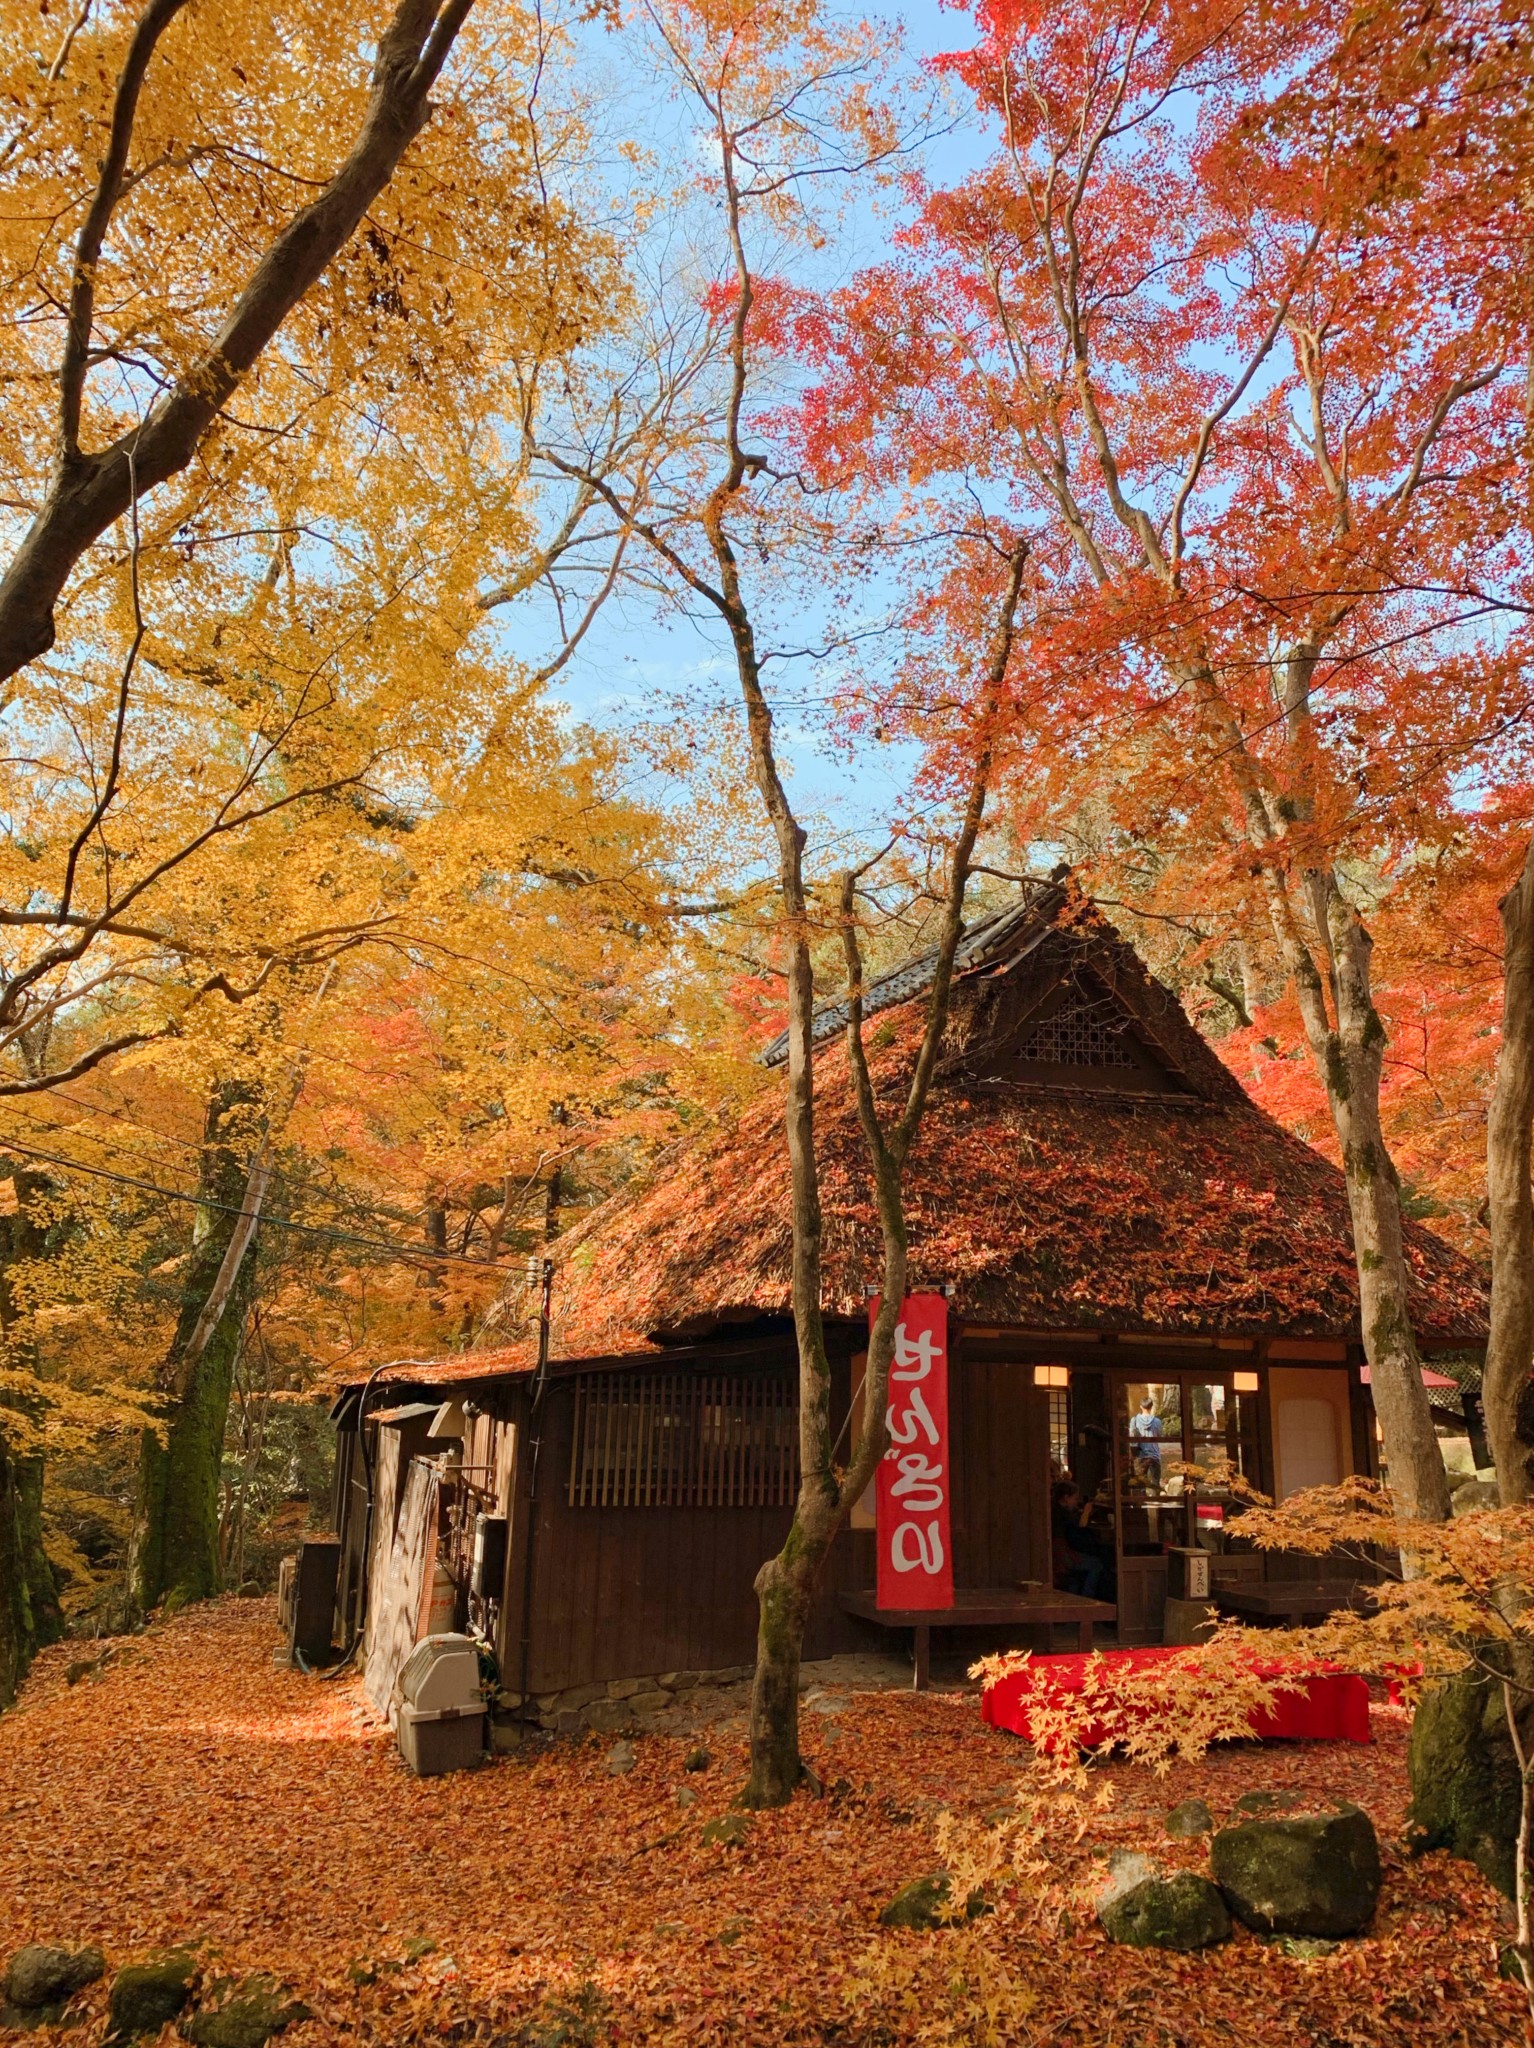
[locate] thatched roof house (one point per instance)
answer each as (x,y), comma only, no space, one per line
(1097,1195)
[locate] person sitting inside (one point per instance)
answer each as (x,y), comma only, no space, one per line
(1078,1568)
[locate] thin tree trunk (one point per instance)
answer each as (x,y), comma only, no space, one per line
(788,1584)
(1347,1042)
(1507,1387)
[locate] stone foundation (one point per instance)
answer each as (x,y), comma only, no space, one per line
(619,1704)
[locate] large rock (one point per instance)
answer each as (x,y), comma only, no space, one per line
(145,1995)
(254,2010)
(1316,1874)
(1126,1869)
(920,1905)
(41,1976)
(1464,1776)
(1183,1912)
(1474,1497)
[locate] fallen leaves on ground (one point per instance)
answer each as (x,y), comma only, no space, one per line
(193,1791)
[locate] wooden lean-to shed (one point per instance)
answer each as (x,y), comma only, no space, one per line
(1128,1243)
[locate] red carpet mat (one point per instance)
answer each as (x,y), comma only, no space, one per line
(1333,1706)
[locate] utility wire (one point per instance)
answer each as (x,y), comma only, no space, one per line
(337,1196)
(149,1187)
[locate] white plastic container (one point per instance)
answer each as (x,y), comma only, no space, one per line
(441,1674)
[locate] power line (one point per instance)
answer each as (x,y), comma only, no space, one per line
(338,1197)
(398,1251)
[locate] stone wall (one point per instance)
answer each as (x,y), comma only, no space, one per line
(621,1703)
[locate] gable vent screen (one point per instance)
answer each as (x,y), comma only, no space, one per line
(1080,1033)
(684,1440)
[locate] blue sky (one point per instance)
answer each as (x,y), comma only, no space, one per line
(637,660)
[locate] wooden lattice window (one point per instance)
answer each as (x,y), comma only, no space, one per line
(684,1440)
(1060,1427)
(1080,1033)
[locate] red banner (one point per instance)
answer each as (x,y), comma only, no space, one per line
(914,1487)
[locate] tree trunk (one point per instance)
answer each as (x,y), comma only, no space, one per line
(787,1584)
(176,1546)
(1347,1042)
(1466,1795)
(30,1615)
(786,1587)
(1347,1039)
(1507,1387)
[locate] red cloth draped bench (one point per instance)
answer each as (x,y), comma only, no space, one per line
(1333,1707)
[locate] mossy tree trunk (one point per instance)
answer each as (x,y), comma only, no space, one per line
(1466,1795)
(30,1613)
(1465,1774)
(176,1534)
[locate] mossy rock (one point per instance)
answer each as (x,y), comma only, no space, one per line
(1464,1777)
(1188,1819)
(729,1830)
(1267,1802)
(254,2010)
(40,1976)
(922,1904)
(1184,1912)
(145,1995)
(1315,1874)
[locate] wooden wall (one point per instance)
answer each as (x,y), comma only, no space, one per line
(628,1592)
(1000,1425)
(623,1592)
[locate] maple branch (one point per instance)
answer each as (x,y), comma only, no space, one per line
(103,802)
(88,491)
(35,1084)
(1233,398)
(1462,387)
(155,20)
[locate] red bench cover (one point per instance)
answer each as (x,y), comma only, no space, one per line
(1334,1706)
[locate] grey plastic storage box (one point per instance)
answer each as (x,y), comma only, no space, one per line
(444,1739)
(439,1718)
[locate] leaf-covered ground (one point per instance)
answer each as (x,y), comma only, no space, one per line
(194,1792)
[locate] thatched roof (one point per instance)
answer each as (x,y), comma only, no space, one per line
(1086,1163)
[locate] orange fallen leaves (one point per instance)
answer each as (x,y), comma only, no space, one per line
(196,1792)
